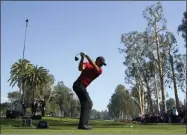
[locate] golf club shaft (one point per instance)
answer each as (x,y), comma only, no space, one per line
(77,54)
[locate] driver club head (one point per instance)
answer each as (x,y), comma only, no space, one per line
(76,58)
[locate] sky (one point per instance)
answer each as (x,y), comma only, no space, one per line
(57,31)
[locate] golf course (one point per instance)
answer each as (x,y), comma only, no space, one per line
(69,126)
(94,68)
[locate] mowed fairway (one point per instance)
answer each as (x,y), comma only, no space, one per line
(67,125)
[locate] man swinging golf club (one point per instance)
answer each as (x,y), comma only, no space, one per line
(89,71)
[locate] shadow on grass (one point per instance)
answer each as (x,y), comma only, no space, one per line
(16,125)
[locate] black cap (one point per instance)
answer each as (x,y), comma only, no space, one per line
(102,59)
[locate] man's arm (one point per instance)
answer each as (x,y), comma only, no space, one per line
(92,63)
(81,67)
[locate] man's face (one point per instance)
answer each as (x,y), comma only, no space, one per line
(99,63)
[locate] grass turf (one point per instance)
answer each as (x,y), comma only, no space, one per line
(67,125)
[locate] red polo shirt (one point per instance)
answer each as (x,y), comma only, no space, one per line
(88,74)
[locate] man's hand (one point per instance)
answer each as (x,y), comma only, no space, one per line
(81,61)
(82,54)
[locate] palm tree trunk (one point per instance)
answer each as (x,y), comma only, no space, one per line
(34,90)
(20,87)
(23,91)
(20,94)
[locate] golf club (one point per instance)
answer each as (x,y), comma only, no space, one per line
(76,58)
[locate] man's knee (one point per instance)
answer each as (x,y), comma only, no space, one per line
(87,104)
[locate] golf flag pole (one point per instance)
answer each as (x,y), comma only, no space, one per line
(25,37)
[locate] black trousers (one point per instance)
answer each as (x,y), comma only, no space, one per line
(85,101)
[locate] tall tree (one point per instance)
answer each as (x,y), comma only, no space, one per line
(140,69)
(137,95)
(37,77)
(19,74)
(183,27)
(157,24)
(119,103)
(52,108)
(60,96)
(171,51)
(181,71)
(44,90)
(157,91)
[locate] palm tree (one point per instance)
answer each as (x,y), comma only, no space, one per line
(19,75)
(37,77)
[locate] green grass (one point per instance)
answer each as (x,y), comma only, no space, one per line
(67,125)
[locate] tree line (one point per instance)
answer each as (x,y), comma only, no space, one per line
(122,105)
(153,62)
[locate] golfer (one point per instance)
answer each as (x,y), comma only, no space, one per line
(89,71)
